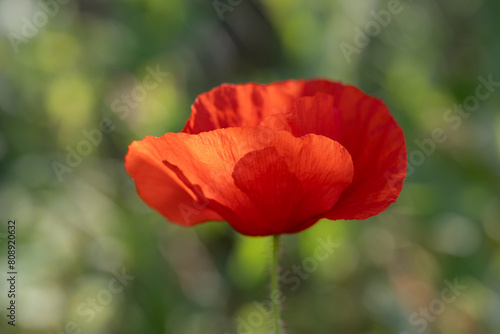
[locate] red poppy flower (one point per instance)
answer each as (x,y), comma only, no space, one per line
(273,159)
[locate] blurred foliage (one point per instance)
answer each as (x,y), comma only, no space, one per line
(63,75)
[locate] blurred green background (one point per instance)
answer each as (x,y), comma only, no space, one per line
(66,66)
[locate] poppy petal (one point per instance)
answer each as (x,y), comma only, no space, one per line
(262,182)
(315,86)
(365,127)
(230,105)
(248,104)
(160,188)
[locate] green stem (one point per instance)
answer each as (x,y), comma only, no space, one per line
(275,285)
